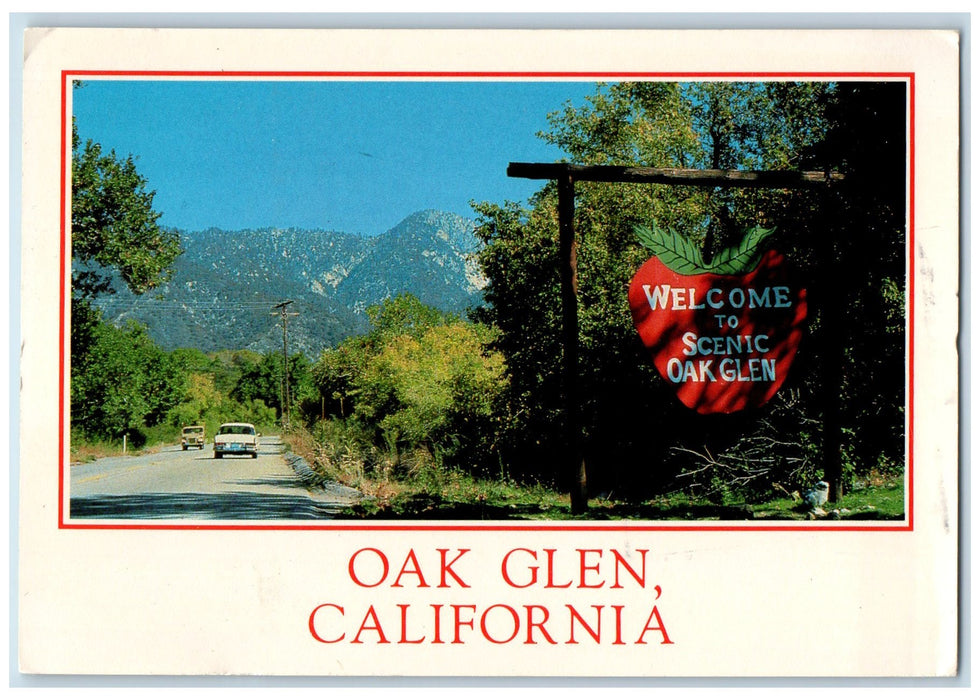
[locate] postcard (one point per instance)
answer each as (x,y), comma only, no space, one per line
(489,353)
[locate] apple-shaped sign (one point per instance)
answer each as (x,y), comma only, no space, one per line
(722,334)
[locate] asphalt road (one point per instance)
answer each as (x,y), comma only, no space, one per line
(192,484)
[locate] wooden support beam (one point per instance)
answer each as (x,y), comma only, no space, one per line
(574,469)
(832,301)
(775,179)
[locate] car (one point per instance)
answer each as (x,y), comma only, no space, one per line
(192,436)
(236,439)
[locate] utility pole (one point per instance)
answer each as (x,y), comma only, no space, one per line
(284,386)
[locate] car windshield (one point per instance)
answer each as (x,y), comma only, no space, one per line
(236,430)
(193,431)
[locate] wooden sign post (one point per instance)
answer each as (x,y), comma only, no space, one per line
(566,174)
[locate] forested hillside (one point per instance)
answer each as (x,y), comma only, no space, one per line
(225,283)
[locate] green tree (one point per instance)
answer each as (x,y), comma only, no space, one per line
(204,402)
(420,379)
(868,261)
(114,225)
(125,384)
(439,391)
(752,126)
(262,380)
(337,372)
(403,314)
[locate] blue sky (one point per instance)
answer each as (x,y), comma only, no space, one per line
(354,156)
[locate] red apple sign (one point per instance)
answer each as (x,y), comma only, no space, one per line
(722,334)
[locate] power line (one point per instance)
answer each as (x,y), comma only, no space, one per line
(173,306)
(154,302)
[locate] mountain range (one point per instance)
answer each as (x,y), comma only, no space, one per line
(226,283)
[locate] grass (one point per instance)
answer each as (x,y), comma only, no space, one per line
(418,487)
(82,451)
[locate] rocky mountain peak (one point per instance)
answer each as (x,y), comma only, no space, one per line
(226,282)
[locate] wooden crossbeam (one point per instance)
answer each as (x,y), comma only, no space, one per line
(775,179)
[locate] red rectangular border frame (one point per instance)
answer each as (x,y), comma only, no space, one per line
(67,76)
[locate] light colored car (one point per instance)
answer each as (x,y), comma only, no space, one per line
(192,436)
(236,439)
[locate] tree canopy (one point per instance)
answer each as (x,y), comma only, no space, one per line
(121,381)
(420,379)
(113,223)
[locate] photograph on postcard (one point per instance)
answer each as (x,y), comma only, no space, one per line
(488,298)
(489,353)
